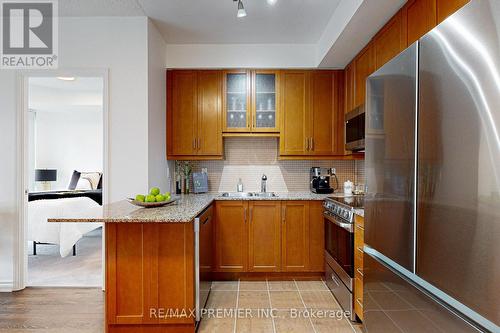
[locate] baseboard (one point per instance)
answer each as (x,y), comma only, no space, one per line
(6,286)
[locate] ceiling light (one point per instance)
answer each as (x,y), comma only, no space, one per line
(66,78)
(272,2)
(241,10)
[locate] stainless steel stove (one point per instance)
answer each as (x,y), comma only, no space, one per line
(339,248)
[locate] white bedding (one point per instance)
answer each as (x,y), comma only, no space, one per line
(64,234)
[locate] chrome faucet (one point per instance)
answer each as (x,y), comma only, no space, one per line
(263,183)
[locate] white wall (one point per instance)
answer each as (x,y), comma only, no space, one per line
(241,56)
(67,141)
(158,168)
(119,44)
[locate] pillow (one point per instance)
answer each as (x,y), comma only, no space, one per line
(74,180)
(99,185)
(83,184)
(92,177)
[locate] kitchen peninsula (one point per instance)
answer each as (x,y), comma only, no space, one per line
(150,253)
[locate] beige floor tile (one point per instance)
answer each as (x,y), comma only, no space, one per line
(225,286)
(222,300)
(253,285)
(331,325)
(286,300)
(253,300)
(311,285)
(282,285)
(254,324)
(217,325)
(319,300)
(286,323)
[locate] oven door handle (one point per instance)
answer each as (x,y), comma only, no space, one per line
(343,225)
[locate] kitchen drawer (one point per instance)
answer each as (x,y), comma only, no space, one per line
(359,236)
(359,220)
(358,295)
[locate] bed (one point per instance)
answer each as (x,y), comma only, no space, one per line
(45,205)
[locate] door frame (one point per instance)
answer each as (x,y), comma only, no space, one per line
(20,262)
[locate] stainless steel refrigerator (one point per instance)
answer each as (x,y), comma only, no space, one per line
(432,209)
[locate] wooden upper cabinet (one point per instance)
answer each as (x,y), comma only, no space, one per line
(364,66)
(265,101)
(194,114)
(349,88)
(295,112)
(236,100)
(295,236)
(264,236)
(421,18)
(183,113)
(231,250)
(209,138)
(323,113)
(391,40)
(446,8)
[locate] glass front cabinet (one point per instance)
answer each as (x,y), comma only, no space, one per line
(251,102)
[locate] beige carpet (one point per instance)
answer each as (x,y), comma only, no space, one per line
(48,269)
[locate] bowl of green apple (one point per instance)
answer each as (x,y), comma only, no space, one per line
(154,199)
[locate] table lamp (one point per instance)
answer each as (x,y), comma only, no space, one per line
(45,176)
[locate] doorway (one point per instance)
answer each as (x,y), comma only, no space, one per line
(64,162)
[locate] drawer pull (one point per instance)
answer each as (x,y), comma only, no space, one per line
(360,271)
(360,227)
(334,279)
(360,302)
(359,249)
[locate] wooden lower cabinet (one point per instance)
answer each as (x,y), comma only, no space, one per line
(295,236)
(359,232)
(149,267)
(264,236)
(269,236)
(231,236)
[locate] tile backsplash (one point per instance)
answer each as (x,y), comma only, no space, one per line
(250,158)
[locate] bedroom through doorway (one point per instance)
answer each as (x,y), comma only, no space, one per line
(64,162)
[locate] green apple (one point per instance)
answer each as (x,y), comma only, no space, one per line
(167,195)
(154,191)
(150,198)
(140,197)
(160,198)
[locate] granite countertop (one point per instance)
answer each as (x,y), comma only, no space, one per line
(183,211)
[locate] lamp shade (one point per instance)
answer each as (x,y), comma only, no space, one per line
(45,175)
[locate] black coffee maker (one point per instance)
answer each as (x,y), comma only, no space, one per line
(320,183)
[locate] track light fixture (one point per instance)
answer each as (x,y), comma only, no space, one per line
(241,9)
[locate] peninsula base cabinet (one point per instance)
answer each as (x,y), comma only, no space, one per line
(269,236)
(149,269)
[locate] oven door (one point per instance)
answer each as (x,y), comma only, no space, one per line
(355,129)
(339,244)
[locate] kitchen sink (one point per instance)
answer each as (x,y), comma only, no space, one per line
(249,195)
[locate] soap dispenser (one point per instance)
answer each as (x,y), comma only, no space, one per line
(239,187)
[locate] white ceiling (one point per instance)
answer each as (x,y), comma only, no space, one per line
(83,8)
(215,21)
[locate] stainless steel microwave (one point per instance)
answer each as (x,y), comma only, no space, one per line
(355,129)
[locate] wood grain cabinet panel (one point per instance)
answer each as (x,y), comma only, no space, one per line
(231,244)
(421,18)
(295,112)
(358,265)
(209,113)
(295,236)
(349,88)
(316,237)
(323,113)
(364,66)
(264,236)
(446,8)
(391,40)
(184,112)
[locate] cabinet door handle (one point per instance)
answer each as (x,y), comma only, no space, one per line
(194,144)
(307,144)
(245,213)
(250,219)
(199,143)
(283,215)
(312,144)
